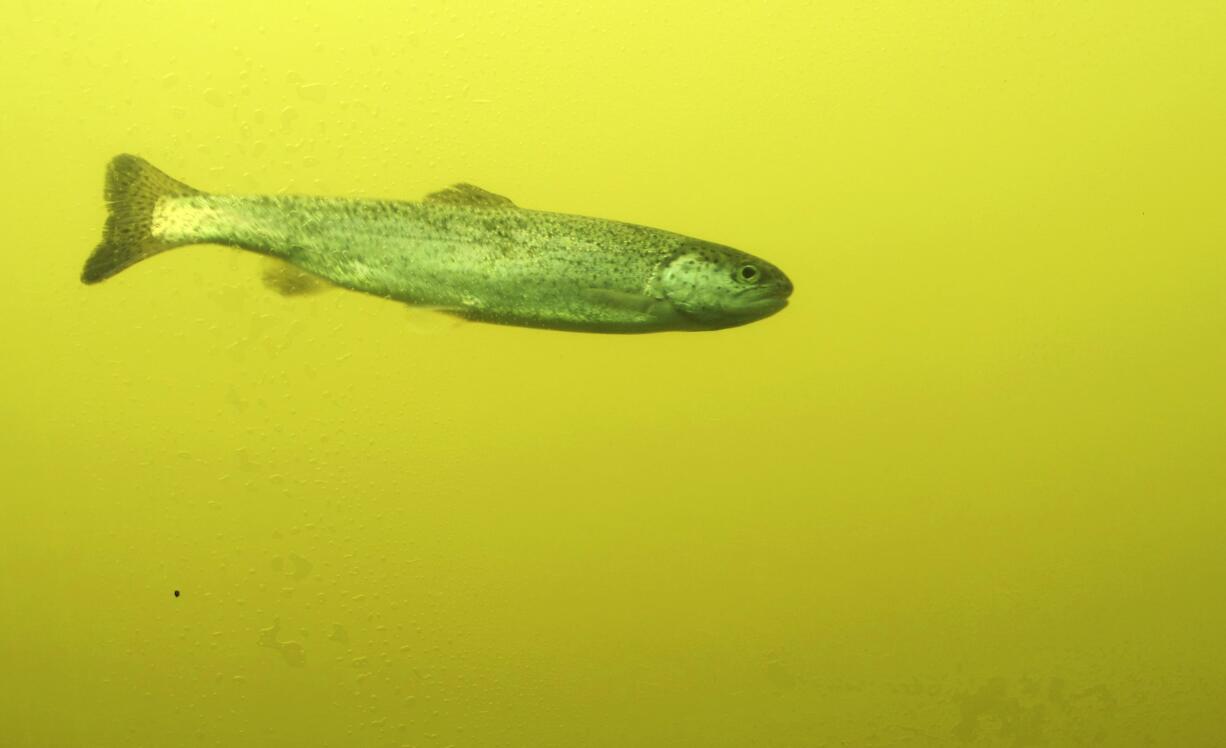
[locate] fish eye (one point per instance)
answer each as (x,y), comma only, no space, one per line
(747,274)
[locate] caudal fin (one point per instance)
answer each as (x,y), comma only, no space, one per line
(133,187)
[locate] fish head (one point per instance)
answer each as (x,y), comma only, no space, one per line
(715,286)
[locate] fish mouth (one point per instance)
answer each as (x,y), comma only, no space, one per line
(769,305)
(766,300)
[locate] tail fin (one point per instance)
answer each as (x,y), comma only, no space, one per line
(133,187)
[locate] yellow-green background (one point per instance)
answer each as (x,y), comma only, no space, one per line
(967,489)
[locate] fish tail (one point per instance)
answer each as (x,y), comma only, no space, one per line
(133,188)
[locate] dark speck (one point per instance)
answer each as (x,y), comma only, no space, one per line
(176,593)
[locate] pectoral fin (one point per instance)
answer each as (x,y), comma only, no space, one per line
(636,303)
(432,320)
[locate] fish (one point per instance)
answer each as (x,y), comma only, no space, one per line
(462,250)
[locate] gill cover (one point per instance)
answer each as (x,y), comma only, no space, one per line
(718,286)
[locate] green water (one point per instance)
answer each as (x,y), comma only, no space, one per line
(967,489)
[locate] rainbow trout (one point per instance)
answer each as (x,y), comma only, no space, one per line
(463,250)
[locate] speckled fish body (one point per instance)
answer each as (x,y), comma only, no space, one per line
(463,250)
(495,264)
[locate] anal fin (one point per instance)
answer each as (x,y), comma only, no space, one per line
(288,280)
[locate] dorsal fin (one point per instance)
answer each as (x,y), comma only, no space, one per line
(469,194)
